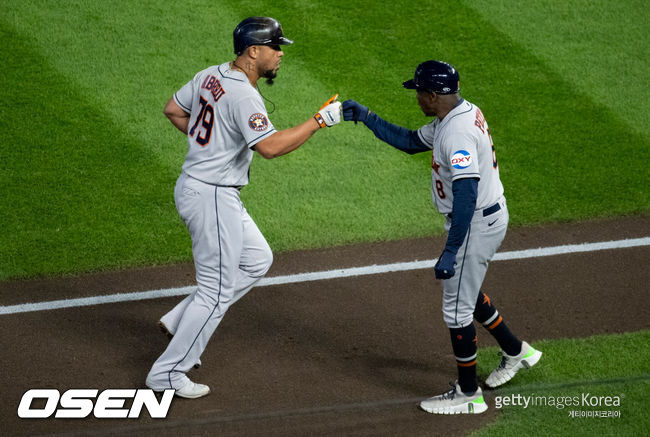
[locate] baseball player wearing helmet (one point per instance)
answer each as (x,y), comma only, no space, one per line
(465,188)
(224,118)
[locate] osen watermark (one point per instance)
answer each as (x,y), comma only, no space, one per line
(80,403)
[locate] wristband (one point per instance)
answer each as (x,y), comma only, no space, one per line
(319,119)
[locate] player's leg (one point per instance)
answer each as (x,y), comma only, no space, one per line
(459,296)
(256,257)
(168,324)
(516,354)
(487,314)
(171,319)
(484,312)
(187,198)
(213,216)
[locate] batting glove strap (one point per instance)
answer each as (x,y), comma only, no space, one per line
(319,119)
(329,115)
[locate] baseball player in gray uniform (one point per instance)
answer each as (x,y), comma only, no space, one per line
(465,188)
(224,118)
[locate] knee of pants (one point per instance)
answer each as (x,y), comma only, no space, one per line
(262,264)
(209,297)
(208,300)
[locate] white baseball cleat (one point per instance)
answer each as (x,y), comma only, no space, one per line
(169,335)
(192,390)
(510,365)
(455,402)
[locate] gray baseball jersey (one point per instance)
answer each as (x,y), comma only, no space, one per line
(462,147)
(228,118)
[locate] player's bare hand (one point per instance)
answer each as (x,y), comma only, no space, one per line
(444,268)
(354,111)
(330,113)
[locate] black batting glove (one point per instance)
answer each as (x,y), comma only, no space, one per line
(444,268)
(354,111)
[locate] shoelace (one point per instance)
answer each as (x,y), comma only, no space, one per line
(451,394)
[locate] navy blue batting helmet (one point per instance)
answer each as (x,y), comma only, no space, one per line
(262,31)
(437,76)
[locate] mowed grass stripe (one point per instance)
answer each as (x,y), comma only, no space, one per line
(79,192)
(599,46)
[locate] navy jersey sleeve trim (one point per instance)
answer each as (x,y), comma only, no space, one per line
(183,107)
(465,194)
(421,138)
(466,176)
(252,143)
(401,138)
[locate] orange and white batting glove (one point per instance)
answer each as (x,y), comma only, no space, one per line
(330,113)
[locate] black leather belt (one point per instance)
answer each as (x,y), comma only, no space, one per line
(487,211)
(491,210)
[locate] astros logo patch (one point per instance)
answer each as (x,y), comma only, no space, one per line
(258,122)
(461,159)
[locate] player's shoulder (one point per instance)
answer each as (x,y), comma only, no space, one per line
(228,75)
(459,124)
(427,131)
(224,74)
(461,118)
(462,112)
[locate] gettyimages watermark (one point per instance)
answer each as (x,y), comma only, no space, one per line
(80,403)
(582,405)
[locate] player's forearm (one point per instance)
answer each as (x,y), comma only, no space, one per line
(465,195)
(399,137)
(288,140)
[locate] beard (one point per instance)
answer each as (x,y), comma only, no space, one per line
(270,75)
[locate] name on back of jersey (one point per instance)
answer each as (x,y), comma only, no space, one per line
(480,120)
(213,85)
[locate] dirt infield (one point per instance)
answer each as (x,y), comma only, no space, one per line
(349,356)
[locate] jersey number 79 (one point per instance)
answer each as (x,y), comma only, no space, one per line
(206,116)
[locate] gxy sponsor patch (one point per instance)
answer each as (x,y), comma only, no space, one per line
(461,159)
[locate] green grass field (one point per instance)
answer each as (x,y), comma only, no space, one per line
(570,368)
(89,162)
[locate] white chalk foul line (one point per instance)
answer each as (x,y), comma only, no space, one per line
(319,276)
